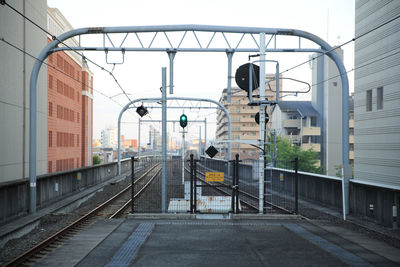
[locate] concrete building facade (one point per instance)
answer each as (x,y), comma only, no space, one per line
(327,100)
(14,88)
(377,94)
(70,104)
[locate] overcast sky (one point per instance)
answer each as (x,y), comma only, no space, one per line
(198,74)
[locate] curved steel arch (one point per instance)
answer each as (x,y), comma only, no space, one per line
(158,99)
(173,28)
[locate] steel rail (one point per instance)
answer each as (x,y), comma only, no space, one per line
(222,191)
(47,242)
(248,194)
(124,206)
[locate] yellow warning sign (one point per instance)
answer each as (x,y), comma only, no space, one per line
(214,176)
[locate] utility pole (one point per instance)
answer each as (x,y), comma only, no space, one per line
(183,156)
(200,146)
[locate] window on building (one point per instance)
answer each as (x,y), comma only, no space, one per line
(50,82)
(379,98)
(50,138)
(351,131)
(313,121)
(369,100)
(314,139)
(50,109)
(49,166)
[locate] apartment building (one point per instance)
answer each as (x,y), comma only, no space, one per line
(243,124)
(70,104)
(377,94)
(109,137)
(297,121)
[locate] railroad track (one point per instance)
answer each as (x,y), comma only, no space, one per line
(33,255)
(249,200)
(224,192)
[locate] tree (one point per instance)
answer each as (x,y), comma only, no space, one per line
(286,153)
(96,160)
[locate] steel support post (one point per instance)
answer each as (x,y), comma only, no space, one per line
(191,182)
(346,175)
(200,145)
(205,135)
(233,188)
(296,185)
(229,87)
(262,122)
(183,156)
(171,56)
(132,183)
(164,141)
(138,153)
(33,138)
(237,183)
(119,139)
(194,185)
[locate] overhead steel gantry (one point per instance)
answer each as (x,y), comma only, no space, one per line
(262,40)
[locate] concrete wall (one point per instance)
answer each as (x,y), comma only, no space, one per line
(327,191)
(14,196)
(377,132)
(14,88)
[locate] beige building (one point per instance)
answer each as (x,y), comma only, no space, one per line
(243,124)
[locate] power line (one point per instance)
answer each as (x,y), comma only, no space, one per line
(53,37)
(345,43)
(55,68)
(356,68)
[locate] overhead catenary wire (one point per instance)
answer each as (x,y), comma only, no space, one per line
(60,71)
(343,44)
(53,37)
(356,68)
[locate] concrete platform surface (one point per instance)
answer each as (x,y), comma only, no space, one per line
(221,242)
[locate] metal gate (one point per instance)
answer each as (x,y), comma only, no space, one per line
(213,190)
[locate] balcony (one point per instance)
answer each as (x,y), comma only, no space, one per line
(311,131)
(291,123)
(351,154)
(351,123)
(249,137)
(294,138)
(250,129)
(351,139)
(314,146)
(247,119)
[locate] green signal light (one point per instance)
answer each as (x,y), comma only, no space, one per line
(183,121)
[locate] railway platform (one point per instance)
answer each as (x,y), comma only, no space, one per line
(216,240)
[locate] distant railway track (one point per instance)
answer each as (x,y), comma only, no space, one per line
(246,198)
(48,245)
(224,192)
